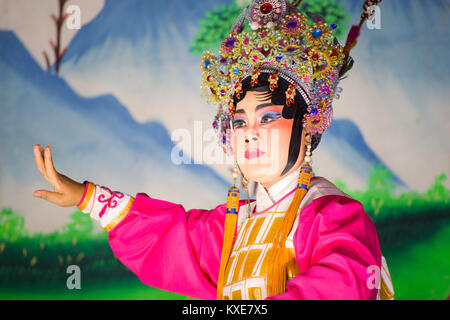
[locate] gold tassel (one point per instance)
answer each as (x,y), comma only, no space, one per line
(276,278)
(228,237)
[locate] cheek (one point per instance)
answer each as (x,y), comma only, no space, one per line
(237,136)
(279,137)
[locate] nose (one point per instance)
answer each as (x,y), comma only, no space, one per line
(251,137)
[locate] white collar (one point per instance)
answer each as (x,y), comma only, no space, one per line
(266,199)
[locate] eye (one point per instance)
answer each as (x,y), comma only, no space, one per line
(270,116)
(239,123)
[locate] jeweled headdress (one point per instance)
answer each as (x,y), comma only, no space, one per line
(282,44)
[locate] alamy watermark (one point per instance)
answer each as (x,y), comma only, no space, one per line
(204,147)
(73,20)
(374,19)
(74,280)
(373,281)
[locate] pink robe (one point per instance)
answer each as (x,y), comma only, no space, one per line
(176,250)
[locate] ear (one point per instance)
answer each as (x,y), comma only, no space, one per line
(308,138)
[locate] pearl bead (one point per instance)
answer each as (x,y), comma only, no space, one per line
(308,159)
(254,25)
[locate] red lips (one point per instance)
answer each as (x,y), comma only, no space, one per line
(253,153)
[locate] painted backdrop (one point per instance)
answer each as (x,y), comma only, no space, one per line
(108,96)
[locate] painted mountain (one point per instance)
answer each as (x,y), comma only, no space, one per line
(146,63)
(92,139)
(138,50)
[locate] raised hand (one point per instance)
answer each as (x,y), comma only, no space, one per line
(67,192)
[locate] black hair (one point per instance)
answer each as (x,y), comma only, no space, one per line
(295,111)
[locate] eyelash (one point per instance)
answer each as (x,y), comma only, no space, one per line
(238,123)
(270,115)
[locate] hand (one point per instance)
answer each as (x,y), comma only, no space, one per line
(67,192)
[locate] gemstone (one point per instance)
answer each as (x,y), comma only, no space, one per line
(207,63)
(223,60)
(246,41)
(255,58)
(230,43)
(291,24)
(325,90)
(263,35)
(222,93)
(317,33)
(214,124)
(314,111)
(315,57)
(236,71)
(334,53)
(224,139)
(333,26)
(266,8)
(212,90)
(279,58)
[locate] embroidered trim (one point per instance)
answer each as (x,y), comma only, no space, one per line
(120,216)
(88,191)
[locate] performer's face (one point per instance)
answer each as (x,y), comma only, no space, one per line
(261,138)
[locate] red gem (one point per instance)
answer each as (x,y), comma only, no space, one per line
(334,53)
(266,8)
(315,56)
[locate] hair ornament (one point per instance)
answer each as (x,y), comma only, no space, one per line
(282,43)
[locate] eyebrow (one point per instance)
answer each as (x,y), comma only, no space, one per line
(263,105)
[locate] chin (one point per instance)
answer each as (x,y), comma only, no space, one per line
(260,173)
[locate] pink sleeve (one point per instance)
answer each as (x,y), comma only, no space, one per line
(335,243)
(169,248)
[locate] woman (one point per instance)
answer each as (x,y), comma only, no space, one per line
(302,238)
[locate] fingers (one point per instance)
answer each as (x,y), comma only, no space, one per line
(50,196)
(39,158)
(44,163)
(49,168)
(40,162)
